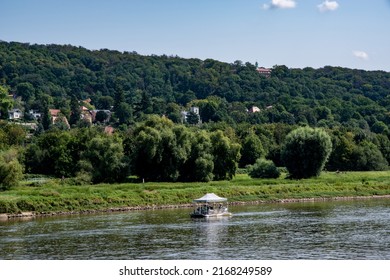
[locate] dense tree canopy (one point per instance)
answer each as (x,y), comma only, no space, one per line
(243,115)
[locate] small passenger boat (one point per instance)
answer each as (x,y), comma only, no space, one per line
(210,205)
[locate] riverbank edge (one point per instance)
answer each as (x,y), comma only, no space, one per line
(28,215)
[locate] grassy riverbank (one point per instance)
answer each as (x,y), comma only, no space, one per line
(52,196)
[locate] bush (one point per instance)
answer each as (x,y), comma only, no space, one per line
(263,169)
(306,151)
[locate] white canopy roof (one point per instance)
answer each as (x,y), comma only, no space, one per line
(210,197)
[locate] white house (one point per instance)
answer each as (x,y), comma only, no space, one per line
(35,114)
(184,114)
(15,114)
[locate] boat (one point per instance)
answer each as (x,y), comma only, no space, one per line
(210,205)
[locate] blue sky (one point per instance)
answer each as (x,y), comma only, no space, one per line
(295,33)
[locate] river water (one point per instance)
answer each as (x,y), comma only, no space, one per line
(311,230)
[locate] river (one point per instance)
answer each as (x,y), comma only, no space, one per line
(353,230)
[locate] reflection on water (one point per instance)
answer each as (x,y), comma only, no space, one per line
(320,230)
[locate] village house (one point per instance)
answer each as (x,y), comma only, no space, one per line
(15,114)
(184,114)
(35,114)
(254,109)
(266,72)
(57,116)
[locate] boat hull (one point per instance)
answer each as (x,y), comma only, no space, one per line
(199,216)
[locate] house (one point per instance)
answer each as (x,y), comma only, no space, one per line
(35,114)
(254,109)
(266,72)
(15,114)
(184,114)
(86,114)
(56,117)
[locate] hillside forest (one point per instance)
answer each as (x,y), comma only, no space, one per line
(94,116)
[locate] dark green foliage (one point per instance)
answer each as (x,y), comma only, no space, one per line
(351,105)
(6,103)
(104,159)
(226,155)
(306,151)
(263,169)
(327,96)
(367,157)
(251,150)
(163,151)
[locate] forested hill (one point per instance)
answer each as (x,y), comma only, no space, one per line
(326,97)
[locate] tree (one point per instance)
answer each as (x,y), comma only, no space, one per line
(75,114)
(25,90)
(6,103)
(101,116)
(192,118)
(306,151)
(263,169)
(199,165)
(225,155)
(160,149)
(367,156)
(11,171)
(104,159)
(251,150)
(124,113)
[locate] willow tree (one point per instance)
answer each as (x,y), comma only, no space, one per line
(305,152)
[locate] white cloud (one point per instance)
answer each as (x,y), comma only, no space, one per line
(360,54)
(280,4)
(328,6)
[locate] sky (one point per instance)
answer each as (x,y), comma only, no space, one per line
(295,33)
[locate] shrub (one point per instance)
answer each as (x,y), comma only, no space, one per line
(263,169)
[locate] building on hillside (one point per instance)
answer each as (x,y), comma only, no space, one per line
(86,114)
(15,114)
(266,72)
(254,109)
(35,114)
(185,114)
(57,117)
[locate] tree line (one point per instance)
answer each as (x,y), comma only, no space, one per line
(157,149)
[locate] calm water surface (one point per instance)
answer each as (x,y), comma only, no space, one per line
(315,230)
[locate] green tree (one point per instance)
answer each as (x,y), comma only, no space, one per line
(306,151)
(199,165)
(251,150)
(367,157)
(101,116)
(75,114)
(124,113)
(160,149)
(226,155)
(192,118)
(104,159)
(25,90)
(263,169)
(6,103)
(11,171)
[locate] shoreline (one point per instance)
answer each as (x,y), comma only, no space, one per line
(31,215)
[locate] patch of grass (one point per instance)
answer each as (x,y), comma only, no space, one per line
(55,196)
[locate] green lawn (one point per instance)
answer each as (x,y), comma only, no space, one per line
(52,196)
